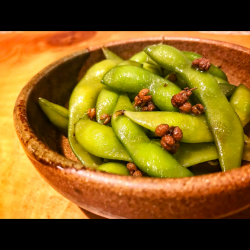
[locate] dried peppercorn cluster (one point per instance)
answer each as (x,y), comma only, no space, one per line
(133,170)
(180,101)
(170,137)
(202,64)
(144,101)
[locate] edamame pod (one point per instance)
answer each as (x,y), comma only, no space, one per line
(100,140)
(84,97)
(111,55)
(227,89)
(142,57)
(150,61)
(149,157)
(153,68)
(213,70)
(114,168)
(130,62)
(138,60)
(223,122)
(190,154)
(218,74)
(105,103)
(194,128)
(57,114)
(133,79)
(240,101)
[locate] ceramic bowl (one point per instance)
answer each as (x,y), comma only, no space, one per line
(213,195)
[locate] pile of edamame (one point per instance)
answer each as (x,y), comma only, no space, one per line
(106,131)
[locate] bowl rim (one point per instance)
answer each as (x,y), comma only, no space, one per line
(33,146)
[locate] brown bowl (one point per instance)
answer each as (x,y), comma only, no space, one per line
(213,195)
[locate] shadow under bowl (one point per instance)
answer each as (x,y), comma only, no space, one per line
(213,195)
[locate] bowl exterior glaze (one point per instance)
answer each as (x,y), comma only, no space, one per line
(213,195)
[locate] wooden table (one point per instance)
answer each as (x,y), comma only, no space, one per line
(24,194)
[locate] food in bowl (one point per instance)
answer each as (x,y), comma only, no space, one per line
(158,114)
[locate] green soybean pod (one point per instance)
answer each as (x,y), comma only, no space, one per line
(194,128)
(114,168)
(138,60)
(150,61)
(57,114)
(84,97)
(106,102)
(133,79)
(190,154)
(100,140)
(130,62)
(240,101)
(153,68)
(213,70)
(227,89)
(111,55)
(222,119)
(218,74)
(140,57)
(149,157)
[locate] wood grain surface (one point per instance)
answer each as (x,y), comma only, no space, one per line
(24,193)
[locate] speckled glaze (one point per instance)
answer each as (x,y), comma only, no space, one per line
(213,195)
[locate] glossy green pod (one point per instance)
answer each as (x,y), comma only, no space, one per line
(114,168)
(150,61)
(153,68)
(84,97)
(240,101)
(140,57)
(218,74)
(106,103)
(100,140)
(57,114)
(194,128)
(131,62)
(190,154)
(149,157)
(133,79)
(223,122)
(111,55)
(213,70)
(226,88)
